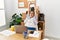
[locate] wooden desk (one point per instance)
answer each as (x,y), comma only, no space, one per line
(17,37)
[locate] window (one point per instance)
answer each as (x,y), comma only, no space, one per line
(1,4)
(2,13)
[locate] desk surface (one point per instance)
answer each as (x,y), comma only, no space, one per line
(16,37)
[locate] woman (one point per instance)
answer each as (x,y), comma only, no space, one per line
(31,22)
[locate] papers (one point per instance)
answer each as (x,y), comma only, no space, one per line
(35,34)
(32,5)
(21,4)
(7,32)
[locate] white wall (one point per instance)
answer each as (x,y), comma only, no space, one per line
(9,10)
(11,7)
(51,9)
(19,10)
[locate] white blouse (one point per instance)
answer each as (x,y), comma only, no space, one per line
(31,22)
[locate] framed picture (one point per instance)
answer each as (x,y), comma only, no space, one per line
(22,4)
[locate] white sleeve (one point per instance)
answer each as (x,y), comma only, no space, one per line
(35,20)
(25,20)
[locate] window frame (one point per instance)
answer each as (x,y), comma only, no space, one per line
(3,12)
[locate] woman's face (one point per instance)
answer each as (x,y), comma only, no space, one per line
(31,14)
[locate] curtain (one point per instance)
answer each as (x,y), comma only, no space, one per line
(2,13)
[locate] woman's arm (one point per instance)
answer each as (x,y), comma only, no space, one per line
(25,20)
(28,7)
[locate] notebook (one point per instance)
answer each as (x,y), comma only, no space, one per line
(7,33)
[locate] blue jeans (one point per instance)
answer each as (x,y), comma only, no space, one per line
(31,28)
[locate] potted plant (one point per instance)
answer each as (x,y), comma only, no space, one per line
(16,19)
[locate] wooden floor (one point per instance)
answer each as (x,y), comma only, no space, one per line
(16,37)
